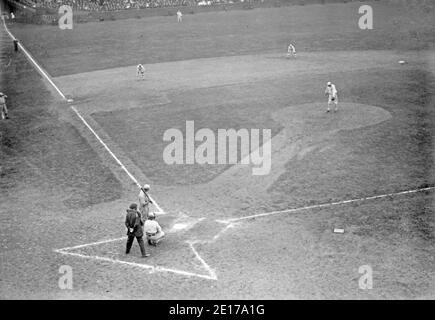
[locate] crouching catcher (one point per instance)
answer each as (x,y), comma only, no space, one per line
(153,230)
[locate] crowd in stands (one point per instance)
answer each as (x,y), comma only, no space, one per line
(110,5)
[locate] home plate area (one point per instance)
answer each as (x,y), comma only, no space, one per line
(174,254)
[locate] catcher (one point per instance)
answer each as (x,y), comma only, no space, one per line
(153,230)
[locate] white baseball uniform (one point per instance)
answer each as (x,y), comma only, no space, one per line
(3,108)
(140,70)
(332,93)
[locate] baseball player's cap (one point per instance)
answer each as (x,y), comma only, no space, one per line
(328,84)
(151,215)
(1,94)
(146,186)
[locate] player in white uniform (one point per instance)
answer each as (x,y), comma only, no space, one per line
(179,16)
(140,71)
(331,92)
(3,108)
(153,230)
(291,51)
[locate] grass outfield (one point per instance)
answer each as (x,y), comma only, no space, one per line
(379,142)
(96,46)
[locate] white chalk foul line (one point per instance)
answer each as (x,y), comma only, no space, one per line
(114,157)
(323,205)
(44,74)
(48,78)
(138,265)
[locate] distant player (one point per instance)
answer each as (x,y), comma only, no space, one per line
(332,94)
(140,71)
(291,51)
(179,16)
(3,108)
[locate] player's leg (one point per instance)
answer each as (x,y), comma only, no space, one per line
(4,111)
(329,103)
(129,243)
(142,247)
(158,237)
(146,211)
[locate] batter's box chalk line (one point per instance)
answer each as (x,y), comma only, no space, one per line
(210,273)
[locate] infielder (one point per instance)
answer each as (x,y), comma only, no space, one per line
(144,201)
(291,51)
(140,71)
(4,109)
(332,94)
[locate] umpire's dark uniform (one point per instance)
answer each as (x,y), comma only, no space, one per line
(134,224)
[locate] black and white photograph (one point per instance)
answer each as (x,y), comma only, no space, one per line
(212,150)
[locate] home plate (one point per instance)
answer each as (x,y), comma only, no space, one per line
(184,222)
(179,226)
(336,230)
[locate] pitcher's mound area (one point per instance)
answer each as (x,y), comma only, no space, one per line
(313,116)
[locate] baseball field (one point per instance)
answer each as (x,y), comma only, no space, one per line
(69,170)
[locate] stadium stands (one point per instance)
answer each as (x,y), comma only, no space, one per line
(111,5)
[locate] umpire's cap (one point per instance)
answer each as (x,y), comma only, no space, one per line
(133,206)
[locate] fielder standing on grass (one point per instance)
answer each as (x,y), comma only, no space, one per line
(291,51)
(179,16)
(144,201)
(140,71)
(4,109)
(331,92)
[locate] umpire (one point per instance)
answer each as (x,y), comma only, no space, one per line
(134,224)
